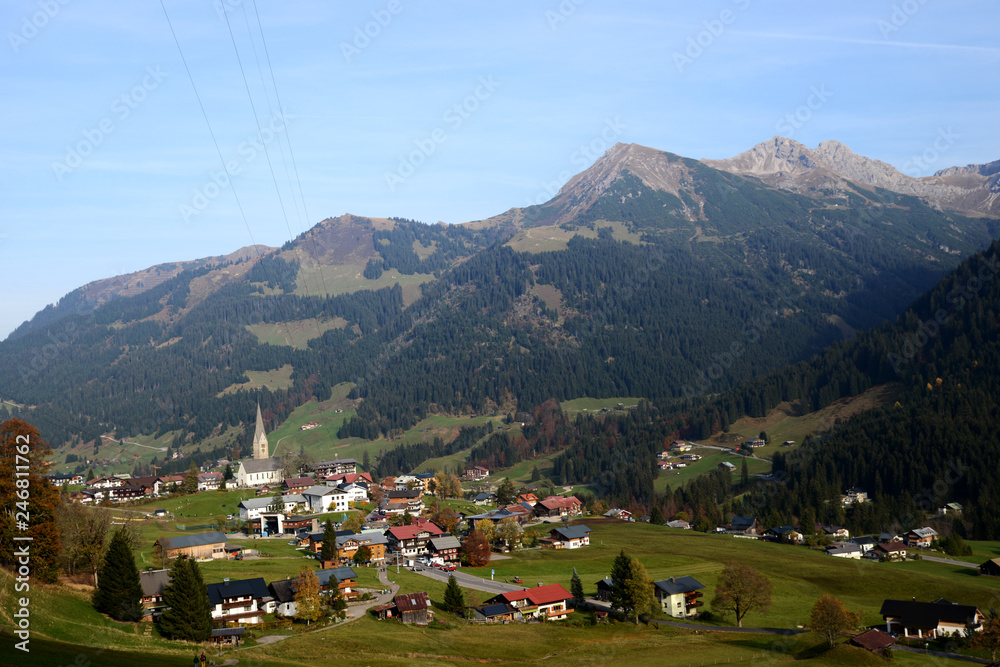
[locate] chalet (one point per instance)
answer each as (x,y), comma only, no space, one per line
(678,596)
(833,532)
(990,568)
(496,613)
(410,482)
(528,499)
(411,541)
(864,542)
(618,513)
(523,512)
(874,640)
(283,591)
(445,547)
(680,446)
(362,478)
(335,467)
(604,588)
(348,545)
(691,457)
(889,537)
(105,482)
(929,620)
(743,525)
(496,516)
(888,551)
(678,523)
(297,484)
(341,581)
(549,602)
(484,498)
(557,506)
(785,534)
(476,473)
(754,443)
(210,481)
(325,499)
(63,480)
(844,550)
(356,493)
(200,545)
(241,601)
(258,472)
(412,608)
(126,492)
(920,537)
(153,582)
(567,537)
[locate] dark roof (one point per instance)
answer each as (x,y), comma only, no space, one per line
(338,574)
(489,610)
(864,539)
(446,542)
(675,585)
(228,632)
(260,465)
(484,496)
(572,532)
(781,530)
(255,588)
(742,522)
(411,602)
(283,590)
(188,541)
(873,640)
(606,583)
(927,615)
(152,582)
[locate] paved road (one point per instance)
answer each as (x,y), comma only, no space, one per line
(479,583)
(948,561)
(941,654)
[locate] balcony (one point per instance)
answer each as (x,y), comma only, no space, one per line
(693,604)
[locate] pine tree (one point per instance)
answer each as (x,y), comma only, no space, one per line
(656,516)
(745,473)
(619,573)
(188,612)
(90,474)
(329,548)
(119,593)
(576,588)
(228,474)
(454,599)
(366,461)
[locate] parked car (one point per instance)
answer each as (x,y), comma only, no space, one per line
(448,568)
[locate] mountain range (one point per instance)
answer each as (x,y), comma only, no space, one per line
(649,274)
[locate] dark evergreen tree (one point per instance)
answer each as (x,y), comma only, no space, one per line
(656,516)
(576,588)
(188,612)
(119,593)
(329,548)
(454,599)
(620,572)
(228,474)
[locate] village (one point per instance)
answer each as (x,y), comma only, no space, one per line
(363,535)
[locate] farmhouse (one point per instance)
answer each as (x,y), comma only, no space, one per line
(200,545)
(557,506)
(549,602)
(411,608)
(243,601)
(920,537)
(888,551)
(445,547)
(743,525)
(928,620)
(568,537)
(338,581)
(283,592)
(412,540)
(678,596)
(297,484)
(476,473)
(844,550)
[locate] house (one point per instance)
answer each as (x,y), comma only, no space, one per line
(928,620)
(743,525)
(199,545)
(567,537)
(297,484)
(335,467)
(252,508)
(484,498)
(833,532)
(844,550)
(356,493)
(785,534)
(341,581)
(678,596)
(63,480)
(411,541)
(726,465)
(618,513)
(405,500)
(853,495)
(557,506)
(991,567)
(153,582)
(105,482)
(865,542)
(874,640)
(953,508)
(411,608)
(348,545)
(325,499)
(528,499)
(691,457)
(476,473)
(496,613)
(241,601)
(680,446)
(227,636)
(362,478)
(283,591)
(664,455)
(920,537)
(258,472)
(889,537)
(549,602)
(445,547)
(126,492)
(754,443)
(524,513)
(888,551)
(604,588)
(678,523)
(210,481)
(410,482)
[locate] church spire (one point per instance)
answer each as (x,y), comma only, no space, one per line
(260,445)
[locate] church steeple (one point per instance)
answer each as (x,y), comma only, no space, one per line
(260,446)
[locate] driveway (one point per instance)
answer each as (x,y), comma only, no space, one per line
(948,561)
(479,581)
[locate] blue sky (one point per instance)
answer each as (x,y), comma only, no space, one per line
(451,111)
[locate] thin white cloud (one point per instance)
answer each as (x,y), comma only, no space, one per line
(871,42)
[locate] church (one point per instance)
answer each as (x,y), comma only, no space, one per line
(262,468)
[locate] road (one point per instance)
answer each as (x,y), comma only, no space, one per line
(948,561)
(479,583)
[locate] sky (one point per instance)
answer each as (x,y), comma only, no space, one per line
(140,133)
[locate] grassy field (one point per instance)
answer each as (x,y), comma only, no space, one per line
(279,378)
(315,280)
(596,404)
(295,334)
(553,237)
(712,459)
